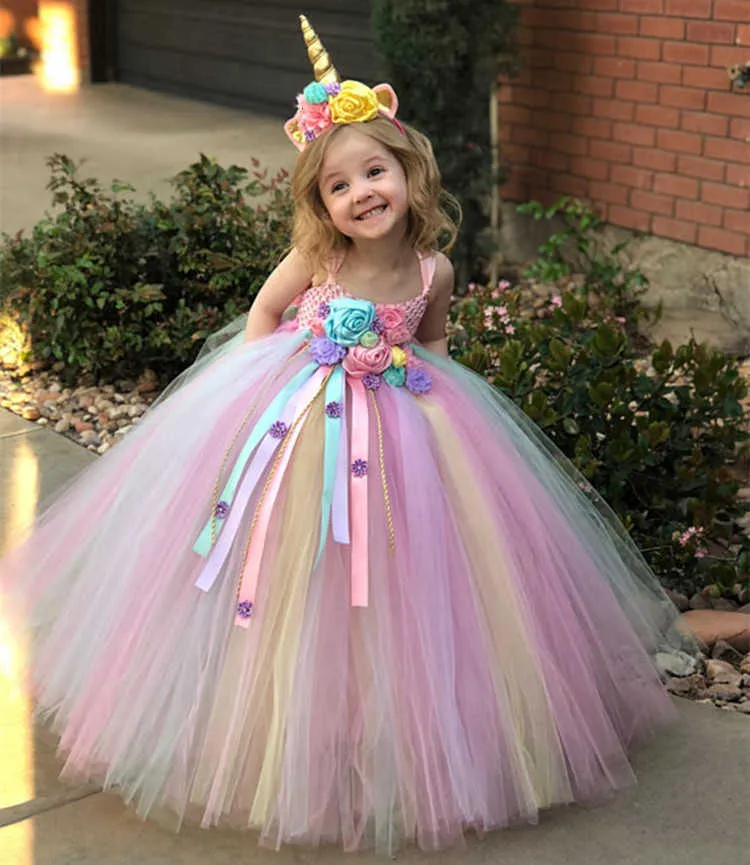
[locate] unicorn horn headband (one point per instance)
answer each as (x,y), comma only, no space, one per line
(327,101)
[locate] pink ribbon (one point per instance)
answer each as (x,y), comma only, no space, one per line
(262,457)
(249,582)
(358,493)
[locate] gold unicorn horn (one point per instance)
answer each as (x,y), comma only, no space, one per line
(325,71)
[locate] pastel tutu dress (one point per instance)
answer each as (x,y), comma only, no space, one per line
(337,589)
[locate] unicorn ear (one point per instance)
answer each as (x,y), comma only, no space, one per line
(387,99)
(294,133)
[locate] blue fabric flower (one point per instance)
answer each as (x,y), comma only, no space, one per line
(349,320)
(326,352)
(315,93)
(395,376)
(418,381)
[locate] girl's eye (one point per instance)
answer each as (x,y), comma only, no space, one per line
(337,187)
(375,171)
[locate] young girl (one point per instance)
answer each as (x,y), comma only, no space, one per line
(334,587)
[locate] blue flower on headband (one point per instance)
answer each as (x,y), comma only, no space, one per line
(315,93)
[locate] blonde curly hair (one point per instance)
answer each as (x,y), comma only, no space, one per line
(430,225)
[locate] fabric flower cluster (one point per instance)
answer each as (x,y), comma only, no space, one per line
(370,342)
(320,106)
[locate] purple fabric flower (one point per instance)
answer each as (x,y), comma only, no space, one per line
(418,381)
(334,409)
(278,430)
(222,509)
(333,88)
(309,135)
(324,310)
(359,468)
(377,325)
(245,609)
(372,381)
(326,352)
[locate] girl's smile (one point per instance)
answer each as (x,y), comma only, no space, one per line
(363,187)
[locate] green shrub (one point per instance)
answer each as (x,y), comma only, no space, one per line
(442,57)
(657,436)
(111,287)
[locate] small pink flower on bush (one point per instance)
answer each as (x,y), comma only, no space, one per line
(556,301)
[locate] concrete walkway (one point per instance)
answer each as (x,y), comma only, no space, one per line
(123,133)
(690,806)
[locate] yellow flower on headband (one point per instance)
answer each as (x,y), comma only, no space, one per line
(354,103)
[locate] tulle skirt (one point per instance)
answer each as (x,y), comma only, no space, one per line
(499,664)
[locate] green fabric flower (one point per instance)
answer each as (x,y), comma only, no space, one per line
(315,93)
(395,376)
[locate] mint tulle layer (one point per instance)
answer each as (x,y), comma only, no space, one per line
(500,666)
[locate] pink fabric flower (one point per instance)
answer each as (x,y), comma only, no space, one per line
(361,361)
(313,116)
(316,327)
(395,330)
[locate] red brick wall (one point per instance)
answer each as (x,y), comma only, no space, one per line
(626,103)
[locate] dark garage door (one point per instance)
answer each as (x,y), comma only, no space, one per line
(238,52)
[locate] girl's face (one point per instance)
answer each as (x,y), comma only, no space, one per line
(363,187)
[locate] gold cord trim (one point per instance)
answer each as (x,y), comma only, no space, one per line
(383,477)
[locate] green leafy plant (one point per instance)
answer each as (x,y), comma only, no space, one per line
(659,436)
(442,57)
(111,287)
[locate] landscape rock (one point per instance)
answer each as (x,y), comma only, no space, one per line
(675,664)
(708,626)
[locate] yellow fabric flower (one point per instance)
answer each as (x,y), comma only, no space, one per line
(398,356)
(354,103)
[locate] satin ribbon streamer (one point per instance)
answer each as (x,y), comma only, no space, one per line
(268,447)
(249,581)
(358,493)
(203,545)
(334,391)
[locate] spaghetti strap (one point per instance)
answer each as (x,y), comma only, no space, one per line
(333,266)
(427,265)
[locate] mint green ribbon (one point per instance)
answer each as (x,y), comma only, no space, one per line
(334,393)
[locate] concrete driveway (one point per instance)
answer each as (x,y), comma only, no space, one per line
(689,808)
(123,133)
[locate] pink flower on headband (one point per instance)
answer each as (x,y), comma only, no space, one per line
(313,117)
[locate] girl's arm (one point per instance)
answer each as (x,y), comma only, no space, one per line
(431,331)
(288,280)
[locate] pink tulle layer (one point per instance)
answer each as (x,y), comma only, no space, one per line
(501,665)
